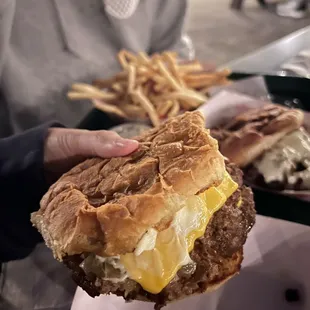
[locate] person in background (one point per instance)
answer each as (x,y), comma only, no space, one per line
(45,46)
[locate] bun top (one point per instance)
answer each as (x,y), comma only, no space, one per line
(105,206)
(249,134)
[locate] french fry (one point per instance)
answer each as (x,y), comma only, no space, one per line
(175,109)
(122,60)
(131,78)
(171,61)
(81,87)
(147,88)
(173,55)
(190,67)
(144,71)
(201,76)
(133,111)
(125,57)
(185,95)
(141,80)
(159,79)
(91,90)
(106,83)
(108,108)
(151,87)
(161,88)
(144,58)
(118,87)
(155,57)
(130,56)
(164,71)
(79,96)
(85,95)
(163,107)
(147,105)
(225,72)
(187,105)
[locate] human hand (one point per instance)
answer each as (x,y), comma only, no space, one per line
(64,148)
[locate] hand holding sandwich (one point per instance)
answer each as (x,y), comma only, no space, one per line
(64,148)
(26,160)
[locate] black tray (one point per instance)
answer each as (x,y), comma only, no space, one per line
(285,90)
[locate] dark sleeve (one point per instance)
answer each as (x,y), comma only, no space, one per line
(22,184)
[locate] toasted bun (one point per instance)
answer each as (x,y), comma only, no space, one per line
(105,206)
(250,134)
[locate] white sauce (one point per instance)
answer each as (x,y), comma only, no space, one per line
(187,219)
(109,267)
(113,261)
(147,242)
(280,163)
(183,223)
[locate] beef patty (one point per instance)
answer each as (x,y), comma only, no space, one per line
(216,256)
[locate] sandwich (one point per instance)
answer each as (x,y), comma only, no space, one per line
(168,221)
(271,145)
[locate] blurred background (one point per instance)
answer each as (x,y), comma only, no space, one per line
(221,34)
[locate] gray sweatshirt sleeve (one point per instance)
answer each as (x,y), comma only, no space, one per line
(7,10)
(168,32)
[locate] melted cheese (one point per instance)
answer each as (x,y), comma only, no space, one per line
(155,268)
(239,203)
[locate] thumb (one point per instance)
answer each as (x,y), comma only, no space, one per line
(105,144)
(65,148)
(63,144)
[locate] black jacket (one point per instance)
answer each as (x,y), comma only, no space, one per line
(22,184)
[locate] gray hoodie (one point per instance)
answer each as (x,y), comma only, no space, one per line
(48,44)
(45,45)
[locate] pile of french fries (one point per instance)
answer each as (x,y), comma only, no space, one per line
(151,87)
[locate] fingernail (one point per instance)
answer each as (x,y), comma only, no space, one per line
(126,142)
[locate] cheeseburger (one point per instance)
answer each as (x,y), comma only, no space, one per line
(271,145)
(166,222)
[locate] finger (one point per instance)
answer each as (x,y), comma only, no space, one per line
(65,144)
(105,144)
